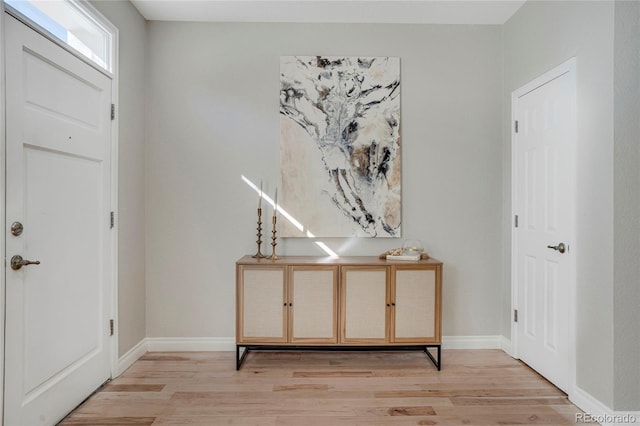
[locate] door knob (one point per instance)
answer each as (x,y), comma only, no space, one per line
(18,262)
(560,247)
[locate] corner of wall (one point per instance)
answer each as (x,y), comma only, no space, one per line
(626,293)
(131,356)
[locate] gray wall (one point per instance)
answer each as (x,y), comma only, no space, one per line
(213,116)
(626,152)
(540,36)
(131,321)
(211,95)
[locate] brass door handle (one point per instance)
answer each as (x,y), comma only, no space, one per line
(560,247)
(18,262)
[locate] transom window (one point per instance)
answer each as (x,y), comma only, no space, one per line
(74,23)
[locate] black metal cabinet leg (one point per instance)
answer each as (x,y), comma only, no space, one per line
(240,358)
(433,360)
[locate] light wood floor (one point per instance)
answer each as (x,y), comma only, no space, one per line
(475,387)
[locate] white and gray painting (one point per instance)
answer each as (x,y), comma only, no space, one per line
(340,145)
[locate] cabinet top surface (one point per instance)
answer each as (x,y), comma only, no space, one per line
(325,260)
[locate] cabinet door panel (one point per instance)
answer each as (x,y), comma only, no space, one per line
(364,300)
(262,305)
(313,313)
(415,304)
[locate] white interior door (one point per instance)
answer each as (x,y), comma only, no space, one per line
(544,150)
(58,132)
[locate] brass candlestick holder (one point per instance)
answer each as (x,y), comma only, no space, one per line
(274,256)
(259,254)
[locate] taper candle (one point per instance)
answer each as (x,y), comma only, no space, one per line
(275,208)
(260,198)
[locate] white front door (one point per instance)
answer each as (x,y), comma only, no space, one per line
(58,133)
(543,155)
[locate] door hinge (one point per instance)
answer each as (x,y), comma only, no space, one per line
(515,315)
(111,326)
(516,126)
(112,219)
(515,221)
(113,111)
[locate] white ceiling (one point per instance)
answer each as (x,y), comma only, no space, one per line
(332,11)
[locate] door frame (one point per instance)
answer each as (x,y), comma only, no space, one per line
(91,11)
(568,67)
(3,208)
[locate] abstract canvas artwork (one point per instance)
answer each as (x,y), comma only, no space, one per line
(340,146)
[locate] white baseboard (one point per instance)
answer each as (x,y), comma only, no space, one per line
(596,411)
(190,344)
(187,344)
(132,355)
(587,403)
(505,345)
(471,342)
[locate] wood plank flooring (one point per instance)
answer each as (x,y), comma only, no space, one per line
(475,387)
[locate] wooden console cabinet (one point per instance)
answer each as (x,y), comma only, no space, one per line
(351,303)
